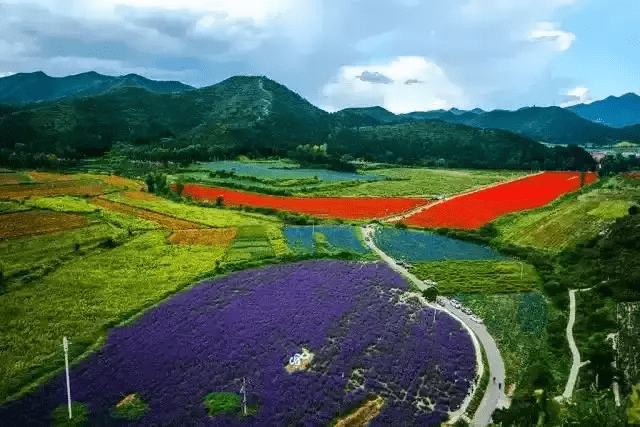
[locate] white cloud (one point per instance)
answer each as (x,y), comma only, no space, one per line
(577,95)
(431,89)
(548,31)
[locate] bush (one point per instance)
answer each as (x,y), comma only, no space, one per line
(634,209)
(226,403)
(431,293)
(131,410)
(78,412)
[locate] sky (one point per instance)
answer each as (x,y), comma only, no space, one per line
(403,55)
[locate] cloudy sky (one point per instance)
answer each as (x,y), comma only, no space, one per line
(404,55)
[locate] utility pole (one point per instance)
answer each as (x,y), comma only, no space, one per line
(243,390)
(65,345)
(521,270)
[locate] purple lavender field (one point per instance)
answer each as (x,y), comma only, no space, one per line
(248,324)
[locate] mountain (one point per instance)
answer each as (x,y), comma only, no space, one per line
(255,116)
(368,115)
(551,124)
(613,111)
(248,109)
(24,88)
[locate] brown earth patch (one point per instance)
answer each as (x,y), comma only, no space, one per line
(216,237)
(164,220)
(140,195)
(363,415)
(49,189)
(34,223)
(51,177)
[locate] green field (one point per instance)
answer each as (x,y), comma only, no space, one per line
(420,182)
(520,324)
(85,297)
(571,219)
(485,276)
(62,204)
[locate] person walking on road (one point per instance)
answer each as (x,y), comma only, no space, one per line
(494,380)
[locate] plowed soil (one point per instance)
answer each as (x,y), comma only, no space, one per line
(58,188)
(216,237)
(33,223)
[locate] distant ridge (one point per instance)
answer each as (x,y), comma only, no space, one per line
(613,111)
(25,88)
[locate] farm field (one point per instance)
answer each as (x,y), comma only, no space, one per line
(19,224)
(302,239)
(519,323)
(571,219)
(335,207)
(163,220)
(86,296)
(419,182)
(484,276)
(416,246)
(12,178)
(49,189)
(473,210)
(248,325)
(218,237)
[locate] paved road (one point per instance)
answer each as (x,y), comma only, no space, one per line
(575,354)
(494,396)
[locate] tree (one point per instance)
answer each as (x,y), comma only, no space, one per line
(431,293)
(219,201)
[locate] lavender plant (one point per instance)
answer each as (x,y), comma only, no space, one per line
(249,324)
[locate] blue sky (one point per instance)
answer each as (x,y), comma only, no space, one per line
(404,55)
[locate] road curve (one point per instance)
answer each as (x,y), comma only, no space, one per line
(494,396)
(575,354)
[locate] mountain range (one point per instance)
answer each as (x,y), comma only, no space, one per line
(86,114)
(24,88)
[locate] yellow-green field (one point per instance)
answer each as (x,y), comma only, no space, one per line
(485,276)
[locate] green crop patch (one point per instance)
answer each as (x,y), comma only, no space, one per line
(62,204)
(485,276)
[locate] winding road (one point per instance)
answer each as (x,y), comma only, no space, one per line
(575,354)
(494,397)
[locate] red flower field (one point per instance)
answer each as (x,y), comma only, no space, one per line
(335,207)
(473,210)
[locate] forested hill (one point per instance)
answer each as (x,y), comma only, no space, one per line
(435,142)
(25,88)
(254,116)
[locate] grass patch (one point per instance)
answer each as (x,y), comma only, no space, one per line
(131,408)
(78,412)
(223,403)
(87,296)
(62,204)
(486,276)
(8,206)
